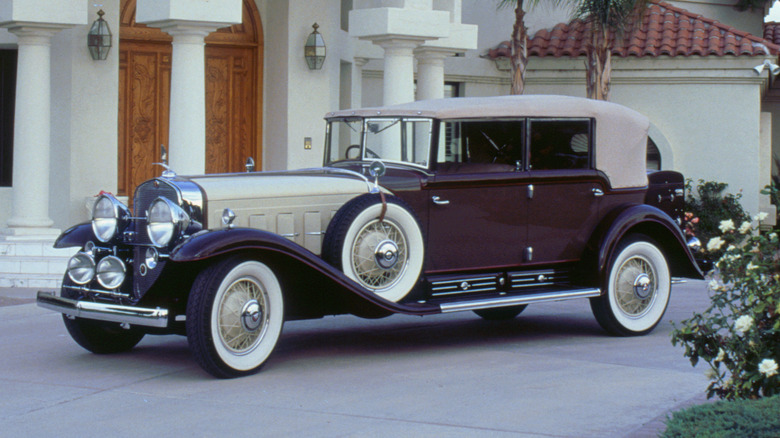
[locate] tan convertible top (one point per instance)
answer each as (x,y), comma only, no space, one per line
(621,133)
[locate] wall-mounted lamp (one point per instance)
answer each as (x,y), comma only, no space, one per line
(99,38)
(774,69)
(314,50)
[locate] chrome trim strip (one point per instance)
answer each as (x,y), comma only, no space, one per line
(517,300)
(84,289)
(104,311)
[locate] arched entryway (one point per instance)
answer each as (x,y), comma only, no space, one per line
(233,72)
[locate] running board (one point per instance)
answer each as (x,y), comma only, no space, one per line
(507,301)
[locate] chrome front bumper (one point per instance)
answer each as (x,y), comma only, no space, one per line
(103,311)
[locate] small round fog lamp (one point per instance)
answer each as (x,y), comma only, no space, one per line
(110,272)
(81,268)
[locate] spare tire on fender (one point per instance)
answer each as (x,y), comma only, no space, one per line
(384,254)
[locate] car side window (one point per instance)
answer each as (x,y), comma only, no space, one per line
(559,144)
(476,147)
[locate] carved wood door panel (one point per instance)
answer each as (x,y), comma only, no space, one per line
(233,96)
(144,97)
(230,110)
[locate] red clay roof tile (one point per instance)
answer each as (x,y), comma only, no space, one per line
(664,30)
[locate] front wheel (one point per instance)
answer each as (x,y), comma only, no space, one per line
(235,314)
(637,289)
(99,337)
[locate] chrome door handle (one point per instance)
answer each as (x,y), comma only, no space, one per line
(438,201)
(597,192)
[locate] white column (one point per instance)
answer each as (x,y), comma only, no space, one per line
(32,128)
(188,22)
(187,135)
(399,70)
(430,73)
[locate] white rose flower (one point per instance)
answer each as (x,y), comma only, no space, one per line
(751,266)
(745,227)
(721,355)
(762,216)
(714,284)
(726,226)
(768,367)
(743,324)
(715,244)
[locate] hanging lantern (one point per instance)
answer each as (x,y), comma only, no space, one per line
(99,38)
(314,50)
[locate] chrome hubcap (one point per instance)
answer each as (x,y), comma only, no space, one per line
(251,316)
(642,285)
(386,254)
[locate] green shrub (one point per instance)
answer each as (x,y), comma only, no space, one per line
(742,418)
(739,334)
(710,206)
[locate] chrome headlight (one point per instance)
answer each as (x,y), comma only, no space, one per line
(165,221)
(110,272)
(109,217)
(81,268)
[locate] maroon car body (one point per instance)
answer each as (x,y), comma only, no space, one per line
(482,204)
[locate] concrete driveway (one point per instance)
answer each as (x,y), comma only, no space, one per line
(552,372)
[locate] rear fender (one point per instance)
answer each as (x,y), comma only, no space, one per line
(649,221)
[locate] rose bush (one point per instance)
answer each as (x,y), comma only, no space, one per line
(738,336)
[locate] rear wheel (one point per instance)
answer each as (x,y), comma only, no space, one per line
(235,314)
(99,337)
(637,289)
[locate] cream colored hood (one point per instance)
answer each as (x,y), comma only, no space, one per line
(297,205)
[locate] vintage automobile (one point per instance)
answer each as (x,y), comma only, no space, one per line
(481,204)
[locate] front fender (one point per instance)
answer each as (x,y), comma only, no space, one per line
(293,260)
(652,222)
(75,236)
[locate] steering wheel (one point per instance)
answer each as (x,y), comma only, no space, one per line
(349,149)
(369,152)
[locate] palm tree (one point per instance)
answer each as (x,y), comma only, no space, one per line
(605,17)
(519,55)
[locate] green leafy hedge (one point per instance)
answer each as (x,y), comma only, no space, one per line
(741,418)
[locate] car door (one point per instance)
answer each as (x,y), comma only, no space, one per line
(563,209)
(477,197)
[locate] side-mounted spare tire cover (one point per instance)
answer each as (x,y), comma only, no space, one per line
(378,246)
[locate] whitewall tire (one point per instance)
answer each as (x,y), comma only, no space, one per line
(382,254)
(638,287)
(235,314)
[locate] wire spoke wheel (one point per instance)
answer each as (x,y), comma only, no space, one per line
(235,314)
(242,319)
(635,286)
(383,256)
(379,254)
(637,289)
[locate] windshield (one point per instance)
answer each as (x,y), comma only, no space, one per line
(400,140)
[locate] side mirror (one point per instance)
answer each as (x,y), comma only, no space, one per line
(377,169)
(250,164)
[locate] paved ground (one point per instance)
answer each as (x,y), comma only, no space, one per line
(552,372)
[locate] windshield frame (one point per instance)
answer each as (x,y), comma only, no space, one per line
(389,121)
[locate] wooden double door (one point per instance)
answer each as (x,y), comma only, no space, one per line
(233,96)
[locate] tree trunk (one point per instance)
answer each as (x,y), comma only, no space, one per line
(598,65)
(519,50)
